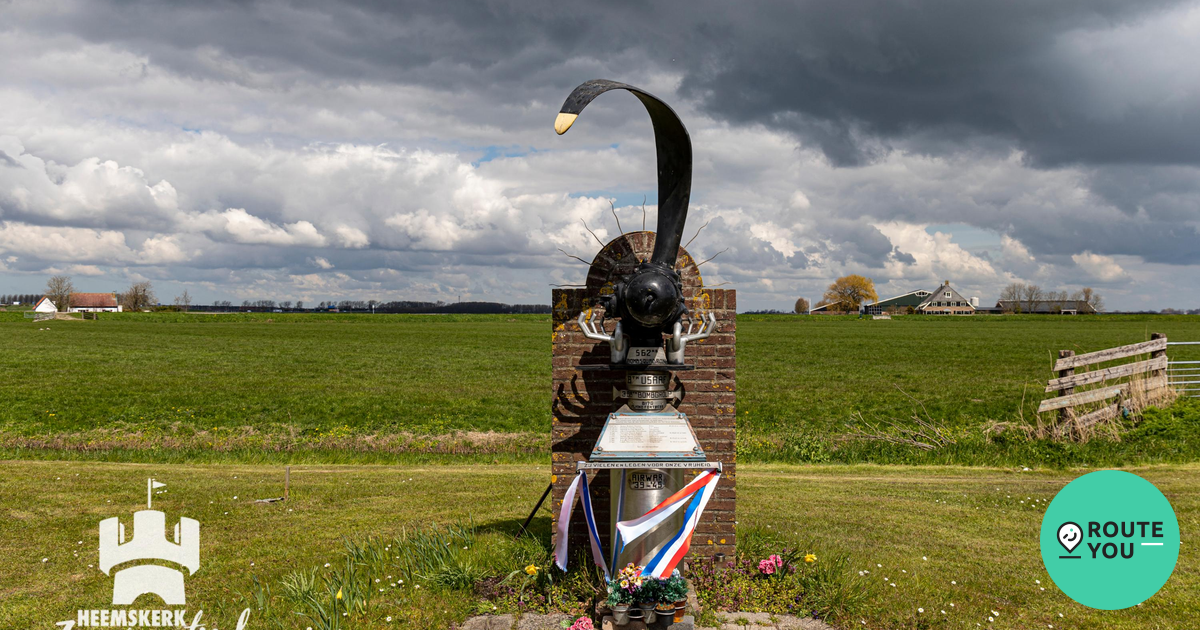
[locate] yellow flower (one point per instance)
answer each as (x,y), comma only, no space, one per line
(809,557)
(624,583)
(339,595)
(531,569)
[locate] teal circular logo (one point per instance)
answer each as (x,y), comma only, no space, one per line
(1110,540)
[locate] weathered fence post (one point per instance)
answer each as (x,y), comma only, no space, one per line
(1066,414)
(1157,375)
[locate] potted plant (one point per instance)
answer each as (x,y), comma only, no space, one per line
(647,597)
(674,590)
(622,590)
(619,600)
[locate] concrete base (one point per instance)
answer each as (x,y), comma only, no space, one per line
(663,623)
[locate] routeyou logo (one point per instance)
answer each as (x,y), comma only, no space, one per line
(1110,540)
(143,561)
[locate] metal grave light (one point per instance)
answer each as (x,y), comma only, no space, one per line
(648,446)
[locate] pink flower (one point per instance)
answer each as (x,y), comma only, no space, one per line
(776,559)
(583,623)
(766,567)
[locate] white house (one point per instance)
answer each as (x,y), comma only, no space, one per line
(944,300)
(94,303)
(44,305)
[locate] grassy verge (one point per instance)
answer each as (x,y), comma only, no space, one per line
(1161,436)
(943,535)
(1170,435)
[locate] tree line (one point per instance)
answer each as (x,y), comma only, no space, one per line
(20,298)
(1022,297)
(140,297)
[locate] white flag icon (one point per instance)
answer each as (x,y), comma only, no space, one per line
(151,484)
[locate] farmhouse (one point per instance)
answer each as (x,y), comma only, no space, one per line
(94,303)
(1047,307)
(944,300)
(906,303)
(44,305)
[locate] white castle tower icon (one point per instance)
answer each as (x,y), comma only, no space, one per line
(149,543)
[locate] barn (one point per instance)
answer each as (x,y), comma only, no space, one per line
(900,304)
(94,303)
(44,305)
(1047,307)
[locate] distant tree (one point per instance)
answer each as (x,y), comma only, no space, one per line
(286,304)
(183,301)
(801,306)
(1011,296)
(1057,300)
(851,291)
(59,290)
(1031,294)
(299,304)
(139,296)
(1089,295)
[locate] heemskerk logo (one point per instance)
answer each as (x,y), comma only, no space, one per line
(149,543)
(147,563)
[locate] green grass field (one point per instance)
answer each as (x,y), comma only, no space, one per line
(359,383)
(962,540)
(462,404)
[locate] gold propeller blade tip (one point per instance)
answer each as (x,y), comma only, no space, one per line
(564,122)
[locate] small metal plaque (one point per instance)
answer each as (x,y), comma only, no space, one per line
(646,356)
(647,480)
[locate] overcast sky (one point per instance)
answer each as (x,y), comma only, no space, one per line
(406,150)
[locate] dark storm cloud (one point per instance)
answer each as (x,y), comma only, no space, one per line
(849,77)
(841,73)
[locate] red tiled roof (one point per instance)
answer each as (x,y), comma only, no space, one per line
(93,300)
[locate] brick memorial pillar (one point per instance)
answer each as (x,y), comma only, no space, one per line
(582,400)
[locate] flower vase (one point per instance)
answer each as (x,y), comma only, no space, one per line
(647,609)
(621,614)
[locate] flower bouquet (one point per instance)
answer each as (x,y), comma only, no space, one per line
(623,590)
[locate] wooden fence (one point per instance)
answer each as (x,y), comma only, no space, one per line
(1145,382)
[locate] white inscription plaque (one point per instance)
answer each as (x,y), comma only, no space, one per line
(633,433)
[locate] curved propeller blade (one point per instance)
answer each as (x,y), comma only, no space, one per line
(674,149)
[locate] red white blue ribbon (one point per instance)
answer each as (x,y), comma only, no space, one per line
(564,522)
(692,499)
